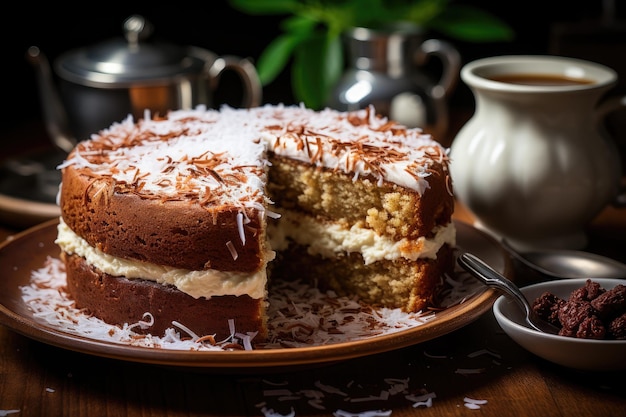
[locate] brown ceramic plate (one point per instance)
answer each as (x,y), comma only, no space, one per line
(27,251)
(25,213)
(28,187)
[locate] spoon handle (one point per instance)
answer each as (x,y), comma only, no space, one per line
(490,277)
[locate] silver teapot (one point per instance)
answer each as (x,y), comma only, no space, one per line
(104,83)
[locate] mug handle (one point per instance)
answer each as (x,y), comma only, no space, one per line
(253,91)
(603,109)
(608,105)
(451,60)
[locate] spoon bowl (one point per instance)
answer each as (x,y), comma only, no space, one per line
(564,264)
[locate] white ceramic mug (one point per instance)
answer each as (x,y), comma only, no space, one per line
(534,163)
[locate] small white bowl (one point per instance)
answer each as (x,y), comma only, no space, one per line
(583,354)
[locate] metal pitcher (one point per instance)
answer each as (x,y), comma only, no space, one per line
(386,70)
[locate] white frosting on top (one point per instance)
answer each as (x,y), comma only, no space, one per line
(219,155)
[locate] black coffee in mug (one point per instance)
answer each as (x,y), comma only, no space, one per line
(539,79)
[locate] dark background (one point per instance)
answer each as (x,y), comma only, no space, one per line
(217,26)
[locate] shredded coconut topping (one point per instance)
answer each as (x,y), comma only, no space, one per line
(215,156)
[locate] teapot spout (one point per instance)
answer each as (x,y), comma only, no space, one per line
(55,116)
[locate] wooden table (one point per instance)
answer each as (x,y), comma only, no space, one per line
(476,362)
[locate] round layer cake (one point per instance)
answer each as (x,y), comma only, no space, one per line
(177,220)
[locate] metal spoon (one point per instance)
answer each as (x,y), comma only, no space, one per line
(568,263)
(492,278)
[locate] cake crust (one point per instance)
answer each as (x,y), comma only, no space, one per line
(124,301)
(181,234)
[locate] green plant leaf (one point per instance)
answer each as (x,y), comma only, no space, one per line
(424,11)
(275,57)
(317,66)
(265,7)
(471,24)
(303,26)
(334,68)
(364,13)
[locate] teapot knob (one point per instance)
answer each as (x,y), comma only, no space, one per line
(136,29)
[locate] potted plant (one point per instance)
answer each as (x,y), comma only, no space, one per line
(312,34)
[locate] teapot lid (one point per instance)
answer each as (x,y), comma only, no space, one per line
(120,63)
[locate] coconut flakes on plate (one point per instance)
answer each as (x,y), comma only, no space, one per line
(299,316)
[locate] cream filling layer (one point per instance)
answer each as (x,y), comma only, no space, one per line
(327,240)
(195,283)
